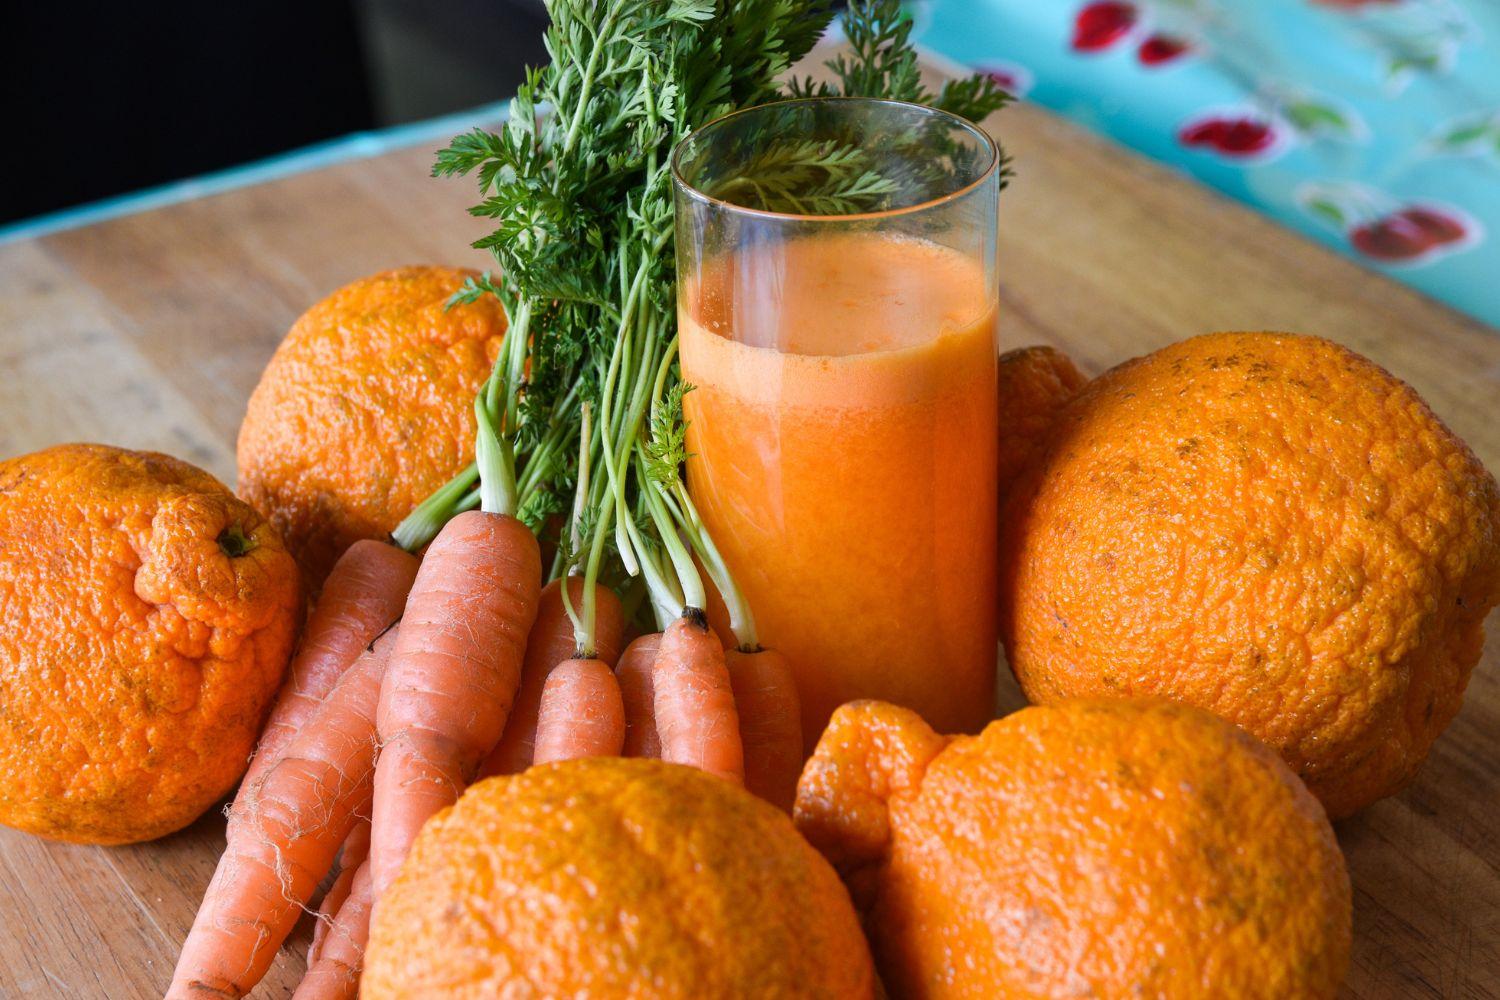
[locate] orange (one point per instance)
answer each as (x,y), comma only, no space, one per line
(610,878)
(1035,382)
(1089,849)
(148,617)
(1267,526)
(365,409)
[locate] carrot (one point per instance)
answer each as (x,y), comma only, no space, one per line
(362,596)
(634,675)
(581,714)
(333,973)
(577,718)
(282,840)
(550,643)
(770,714)
(453,675)
(693,701)
(351,856)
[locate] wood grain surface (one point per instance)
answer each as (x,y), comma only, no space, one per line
(149,331)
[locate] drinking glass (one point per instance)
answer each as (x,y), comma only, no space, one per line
(836,312)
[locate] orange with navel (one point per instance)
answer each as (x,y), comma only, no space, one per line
(1267,526)
(366,408)
(149,616)
(1089,849)
(615,878)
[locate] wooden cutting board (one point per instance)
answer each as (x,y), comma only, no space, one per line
(149,331)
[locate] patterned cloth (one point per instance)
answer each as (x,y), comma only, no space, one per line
(1370,125)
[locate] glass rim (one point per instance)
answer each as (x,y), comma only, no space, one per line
(973,128)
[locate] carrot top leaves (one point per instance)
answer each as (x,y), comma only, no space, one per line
(666,448)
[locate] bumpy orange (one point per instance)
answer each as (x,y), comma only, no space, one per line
(148,618)
(1110,849)
(612,878)
(366,408)
(1035,383)
(1267,526)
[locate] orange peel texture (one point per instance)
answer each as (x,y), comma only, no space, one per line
(615,878)
(1088,849)
(148,619)
(1267,526)
(365,409)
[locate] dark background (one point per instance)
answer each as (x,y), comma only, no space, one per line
(104,99)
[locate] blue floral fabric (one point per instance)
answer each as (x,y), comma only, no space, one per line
(1370,125)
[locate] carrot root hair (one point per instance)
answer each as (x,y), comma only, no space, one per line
(333,974)
(283,836)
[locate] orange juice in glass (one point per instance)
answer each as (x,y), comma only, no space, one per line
(842,423)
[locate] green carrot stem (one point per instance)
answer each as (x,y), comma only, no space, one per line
(591,578)
(583,625)
(635,414)
(663,589)
(590,71)
(693,595)
(580,495)
(422,525)
(496,461)
(618,451)
(587,642)
(610,417)
(505,376)
(741,620)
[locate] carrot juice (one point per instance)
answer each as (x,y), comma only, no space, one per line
(842,439)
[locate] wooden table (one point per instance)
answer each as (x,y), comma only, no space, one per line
(150,331)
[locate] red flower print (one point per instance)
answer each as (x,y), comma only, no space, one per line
(1409,233)
(1393,237)
(1387,230)
(1202,133)
(1230,136)
(1246,137)
(1159,49)
(1101,24)
(1439,226)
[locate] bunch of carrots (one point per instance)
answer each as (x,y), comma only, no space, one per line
(412,680)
